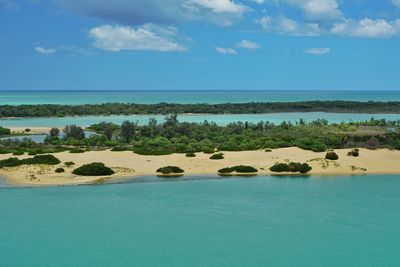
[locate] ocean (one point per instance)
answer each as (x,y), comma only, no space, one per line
(187,97)
(260,221)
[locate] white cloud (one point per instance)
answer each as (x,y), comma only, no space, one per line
(138,12)
(146,37)
(248,45)
(226,51)
(287,26)
(318,9)
(217,6)
(45,51)
(318,51)
(368,28)
(396,2)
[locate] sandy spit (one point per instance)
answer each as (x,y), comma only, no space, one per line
(127,163)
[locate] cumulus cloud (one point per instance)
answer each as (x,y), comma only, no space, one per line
(246,44)
(45,51)
(286,26)
(226,51)
(146,37)
(318,51)
(317,9)
(396,2)
(367,28)
(137,12)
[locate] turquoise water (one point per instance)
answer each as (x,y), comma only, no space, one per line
(219,119)
(264,221)
(147,97)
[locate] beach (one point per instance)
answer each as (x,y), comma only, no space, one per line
(129,164)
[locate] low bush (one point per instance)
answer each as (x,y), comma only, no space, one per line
(238,169)
(170,170)
(291,167)
(59,170)
(354,152)
(331,155)
(77,150)
(69,163)
(93,169)
(268,150)
(18,153)
(36,160)
(4,151)
(217,156)
(190,155)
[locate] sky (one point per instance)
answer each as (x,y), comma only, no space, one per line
(199,45)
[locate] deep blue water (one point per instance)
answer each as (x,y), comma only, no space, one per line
(263,221)
(147,97)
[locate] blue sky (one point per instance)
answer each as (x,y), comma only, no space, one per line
(199,44)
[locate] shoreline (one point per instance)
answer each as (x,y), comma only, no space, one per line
(127,164)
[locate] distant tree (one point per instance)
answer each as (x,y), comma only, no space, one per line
(128,130)
(74,132)
(4,131)
(54,132)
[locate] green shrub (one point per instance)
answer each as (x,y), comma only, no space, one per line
(32,153)
(170,170)
(4,131)
(190,155)
(238,169)
(331,155)
(18,153)
(77,150)
(354,152)
(36,160)
(4,151)
(291,167)
(268,150)
(208,150)
(59,170)
(217,156)
(93,169)
(69,163)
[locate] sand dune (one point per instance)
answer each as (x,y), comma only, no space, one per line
(126,163)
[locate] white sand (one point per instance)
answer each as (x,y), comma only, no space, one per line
(127,163)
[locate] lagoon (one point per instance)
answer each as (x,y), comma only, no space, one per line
(221,119)
(262,221)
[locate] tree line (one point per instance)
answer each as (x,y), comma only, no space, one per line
(51,110)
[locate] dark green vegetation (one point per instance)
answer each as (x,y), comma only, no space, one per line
(50,110)
(59,170)
(76,150)
(36,160)
(170,170)
(354,152)
(291,167)
(93,169)
(172,136)
(4,131)
(238,169)
(217,156)
(69,163)
(190,155)
(331,155)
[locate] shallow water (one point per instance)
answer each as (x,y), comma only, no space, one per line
(276,118)
(262,221)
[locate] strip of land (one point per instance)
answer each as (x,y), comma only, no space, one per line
(127,163)
(51,110)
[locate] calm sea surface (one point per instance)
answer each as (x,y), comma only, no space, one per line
(263,221)
(211,97)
